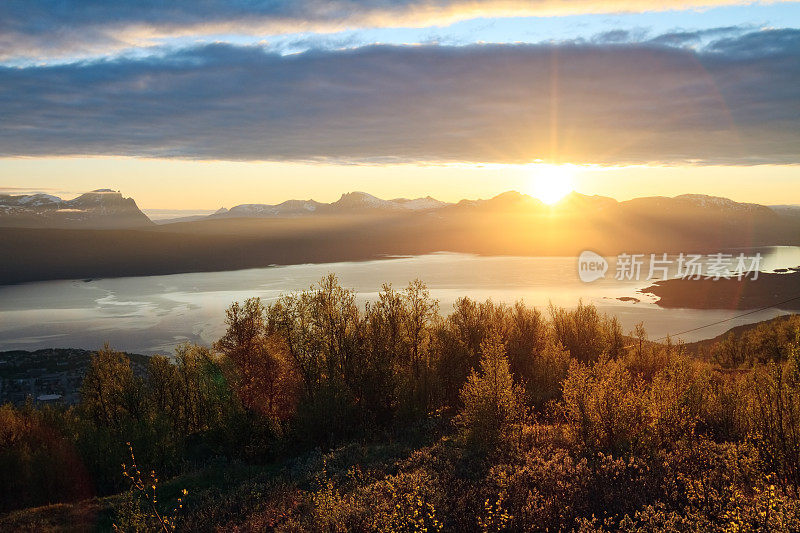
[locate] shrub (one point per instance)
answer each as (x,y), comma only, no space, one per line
(603,407)
(775,417)
(492,401)
(548,369)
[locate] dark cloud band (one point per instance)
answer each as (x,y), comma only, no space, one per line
(36,29)
(735,102)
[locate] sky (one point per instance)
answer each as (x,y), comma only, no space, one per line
(187,105)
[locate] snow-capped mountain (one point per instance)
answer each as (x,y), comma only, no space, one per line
(105,208)
(287,208)
(360,200)
(38,200)
(98,209)
(717,202)
(511,201)
(419,204)
(349,202)
(697,204)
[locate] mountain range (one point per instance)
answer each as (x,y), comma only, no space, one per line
(103,234)
(349,202)
(359,202)
(108,209)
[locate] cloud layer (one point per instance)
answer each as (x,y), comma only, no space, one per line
(735,102)
(48,28)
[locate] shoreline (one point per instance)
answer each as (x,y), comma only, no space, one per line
(769,290)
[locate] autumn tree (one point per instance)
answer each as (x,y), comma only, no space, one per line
(528,336)
(162,387)
(492,401)
(419,313)
(586,333)
(267,378)
(110,393)
(384,341)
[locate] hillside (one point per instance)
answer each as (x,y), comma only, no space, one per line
(508,420)
(702,348)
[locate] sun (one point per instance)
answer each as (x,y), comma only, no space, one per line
(551,183)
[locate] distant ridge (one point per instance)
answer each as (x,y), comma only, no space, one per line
(362,202)
(349,202)
(359,226)
(98,209)
(108,209)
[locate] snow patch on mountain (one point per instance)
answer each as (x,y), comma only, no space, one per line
(39,199)
(101,208)
(717,202)
(419,204)
(360,200)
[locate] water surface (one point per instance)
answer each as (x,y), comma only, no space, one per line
(154,313)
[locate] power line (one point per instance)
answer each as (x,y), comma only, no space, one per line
(718,322)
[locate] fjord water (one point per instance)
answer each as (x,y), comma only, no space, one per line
(155,313)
